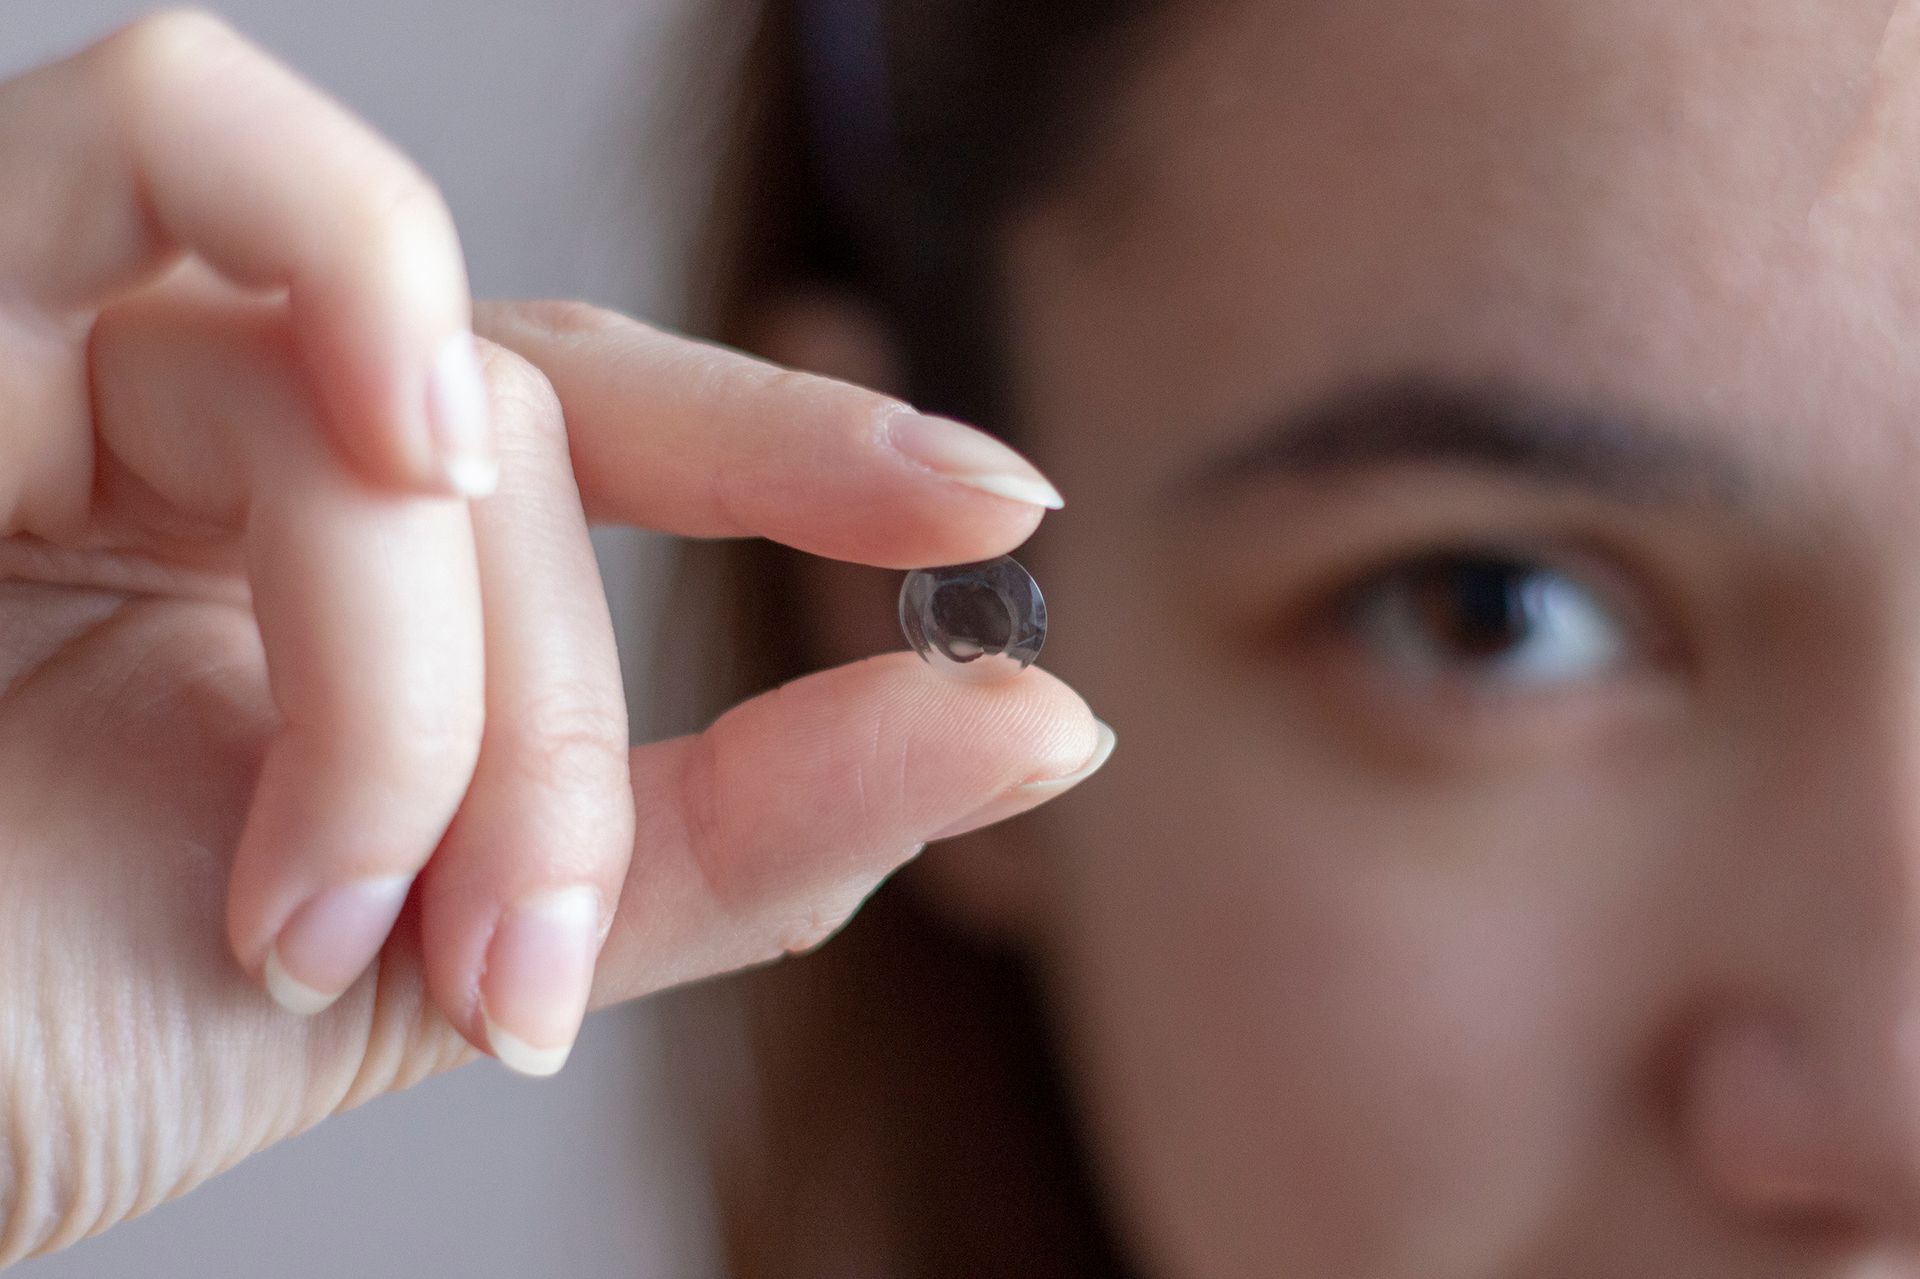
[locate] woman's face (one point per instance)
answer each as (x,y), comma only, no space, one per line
(1492,435)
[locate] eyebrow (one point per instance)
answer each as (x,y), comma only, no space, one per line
(1413,420)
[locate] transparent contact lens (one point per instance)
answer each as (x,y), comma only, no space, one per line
(982,621)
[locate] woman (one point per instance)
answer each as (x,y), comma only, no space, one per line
(1491,466)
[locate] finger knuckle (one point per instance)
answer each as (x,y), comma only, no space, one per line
(422,748)
(403,213)
(566,318)
(821,406)
(704,828)
(166,52)
(572,746)
(523,397)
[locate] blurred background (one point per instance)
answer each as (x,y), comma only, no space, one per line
(559,132)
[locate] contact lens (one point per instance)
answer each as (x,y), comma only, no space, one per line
(981,621)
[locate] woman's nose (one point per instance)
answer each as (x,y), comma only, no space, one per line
(1800,1133)
(1798,1075)
(1798,1081)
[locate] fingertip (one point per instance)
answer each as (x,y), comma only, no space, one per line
(521,1057)
(1031,794)
(539,973)
(292,994)
(968,456)
(329,940)
(459,418)
(473,477)
(1105,741)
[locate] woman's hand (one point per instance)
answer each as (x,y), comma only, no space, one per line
(307,679)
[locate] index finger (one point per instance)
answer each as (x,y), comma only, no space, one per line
(689,438)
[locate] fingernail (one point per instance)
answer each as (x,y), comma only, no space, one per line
(970,457)
(1034,793)
(539,973)
(457,413)
(328,942)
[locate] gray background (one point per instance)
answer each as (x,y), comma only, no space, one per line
(541,121)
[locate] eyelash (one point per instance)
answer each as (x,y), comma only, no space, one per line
(1481,612)
(1611,625)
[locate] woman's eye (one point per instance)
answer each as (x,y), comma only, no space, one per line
(1487,616)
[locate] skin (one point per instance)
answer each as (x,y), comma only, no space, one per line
(1372,966)
(286,606)
(1376,959)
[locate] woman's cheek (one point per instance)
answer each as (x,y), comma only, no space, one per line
(1295,983)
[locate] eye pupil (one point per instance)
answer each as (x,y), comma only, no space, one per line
(1476,607)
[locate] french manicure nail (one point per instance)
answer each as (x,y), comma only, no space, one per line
(1049,786)
(458,414)
(328,942)
(539,974)
(970,457)
(1034,793)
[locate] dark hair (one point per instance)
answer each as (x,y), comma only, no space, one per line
(892,1104)
(980,105)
